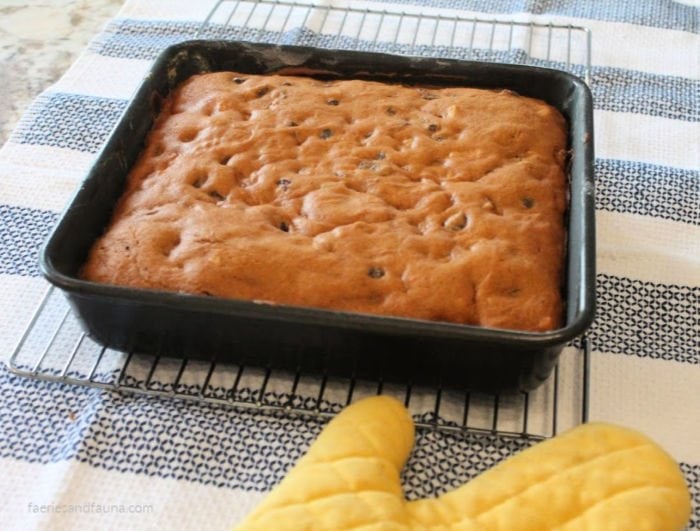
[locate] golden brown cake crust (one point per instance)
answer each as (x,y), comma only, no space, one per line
(440,204)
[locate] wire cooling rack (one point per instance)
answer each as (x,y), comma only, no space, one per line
(440,33)
(54,347)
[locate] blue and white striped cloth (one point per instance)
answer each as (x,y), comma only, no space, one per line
(186,466)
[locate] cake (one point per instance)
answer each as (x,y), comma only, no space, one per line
(433,203)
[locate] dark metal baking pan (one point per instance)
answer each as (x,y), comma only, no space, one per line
(315,340)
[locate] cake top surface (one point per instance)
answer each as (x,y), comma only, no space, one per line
(430,203)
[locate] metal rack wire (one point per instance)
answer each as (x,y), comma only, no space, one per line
(439,33)
(54,347)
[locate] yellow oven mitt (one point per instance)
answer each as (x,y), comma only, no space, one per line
(595,477)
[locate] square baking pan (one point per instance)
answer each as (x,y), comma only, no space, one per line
(308,339)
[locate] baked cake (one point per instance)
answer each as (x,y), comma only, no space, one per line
(431,203)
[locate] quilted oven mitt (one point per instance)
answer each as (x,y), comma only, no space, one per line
(595,477)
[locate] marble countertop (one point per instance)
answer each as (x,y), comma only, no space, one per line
(39,40)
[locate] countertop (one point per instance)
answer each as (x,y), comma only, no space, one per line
(38,42)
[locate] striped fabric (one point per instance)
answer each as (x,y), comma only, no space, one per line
(198,466)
